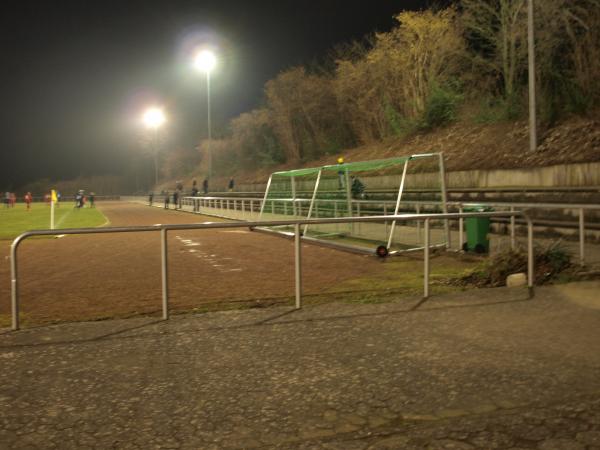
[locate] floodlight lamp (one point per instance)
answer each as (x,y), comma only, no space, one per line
(154,118)
(205,61)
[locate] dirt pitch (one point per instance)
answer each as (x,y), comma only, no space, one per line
(118,275)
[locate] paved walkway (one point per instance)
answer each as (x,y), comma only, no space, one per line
(480,369)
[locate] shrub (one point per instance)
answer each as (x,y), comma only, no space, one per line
(549,262)
(441,107)
(498,109)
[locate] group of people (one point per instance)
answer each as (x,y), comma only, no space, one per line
(177,194)
(81,199)
(195,190)
(9,199)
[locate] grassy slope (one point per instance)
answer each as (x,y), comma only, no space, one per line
(467,145)
(14,221)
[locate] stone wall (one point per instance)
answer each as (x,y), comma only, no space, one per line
(563,175)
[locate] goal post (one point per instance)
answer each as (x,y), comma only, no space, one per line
(337,191)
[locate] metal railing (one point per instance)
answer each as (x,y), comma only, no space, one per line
(250,205)
(164,228)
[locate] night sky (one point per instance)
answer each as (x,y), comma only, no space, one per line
(77,75)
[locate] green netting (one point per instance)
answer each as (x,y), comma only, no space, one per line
(347,190)
(298,172)
(362,166)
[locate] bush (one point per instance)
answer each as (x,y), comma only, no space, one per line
(495,110)
(549,262)
(441,107)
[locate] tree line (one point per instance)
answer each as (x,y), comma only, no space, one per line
(417,76)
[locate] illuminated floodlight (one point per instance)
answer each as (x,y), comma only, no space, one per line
(154,118)
(205,61)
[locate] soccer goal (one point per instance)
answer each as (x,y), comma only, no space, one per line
(366,188)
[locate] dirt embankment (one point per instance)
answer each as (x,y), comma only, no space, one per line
(466,146)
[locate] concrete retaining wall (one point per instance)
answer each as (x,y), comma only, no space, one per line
(562,175)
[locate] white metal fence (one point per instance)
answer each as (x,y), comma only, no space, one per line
(164,229)
(248,208)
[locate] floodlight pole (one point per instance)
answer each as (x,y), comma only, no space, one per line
(531,70)
(209,124)
(155,155)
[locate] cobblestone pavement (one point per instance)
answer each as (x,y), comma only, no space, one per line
(478,369)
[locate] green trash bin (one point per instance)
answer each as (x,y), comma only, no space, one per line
(478,229)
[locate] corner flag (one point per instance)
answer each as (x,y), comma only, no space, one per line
(53,200)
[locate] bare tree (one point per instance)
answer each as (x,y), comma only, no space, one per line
(498,34)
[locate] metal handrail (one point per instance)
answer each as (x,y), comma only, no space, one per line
(579,207)
(412,202)
(164,228)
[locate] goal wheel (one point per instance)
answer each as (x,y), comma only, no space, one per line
(381,251)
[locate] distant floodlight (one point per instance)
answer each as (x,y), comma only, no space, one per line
(154,118)
(205,61)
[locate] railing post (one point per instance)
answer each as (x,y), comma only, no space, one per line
(418,223)
(164,273)
(530,257)
(385,224)
(14,286)
(297,265)
(581,237)
(512,229)
(461,229)
(426,261)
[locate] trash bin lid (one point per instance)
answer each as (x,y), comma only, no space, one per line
(477,208)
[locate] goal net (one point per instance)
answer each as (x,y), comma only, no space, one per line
(410,184)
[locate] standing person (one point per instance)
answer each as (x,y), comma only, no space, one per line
(6,199)
(357,188)
(28,200)
(91,199)
(176,198)
(205,186)
(231,184)
(150,198)
(194,194)
(166,199)
(13,199)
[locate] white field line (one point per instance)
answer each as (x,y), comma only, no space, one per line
(63,218)
(212,259)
